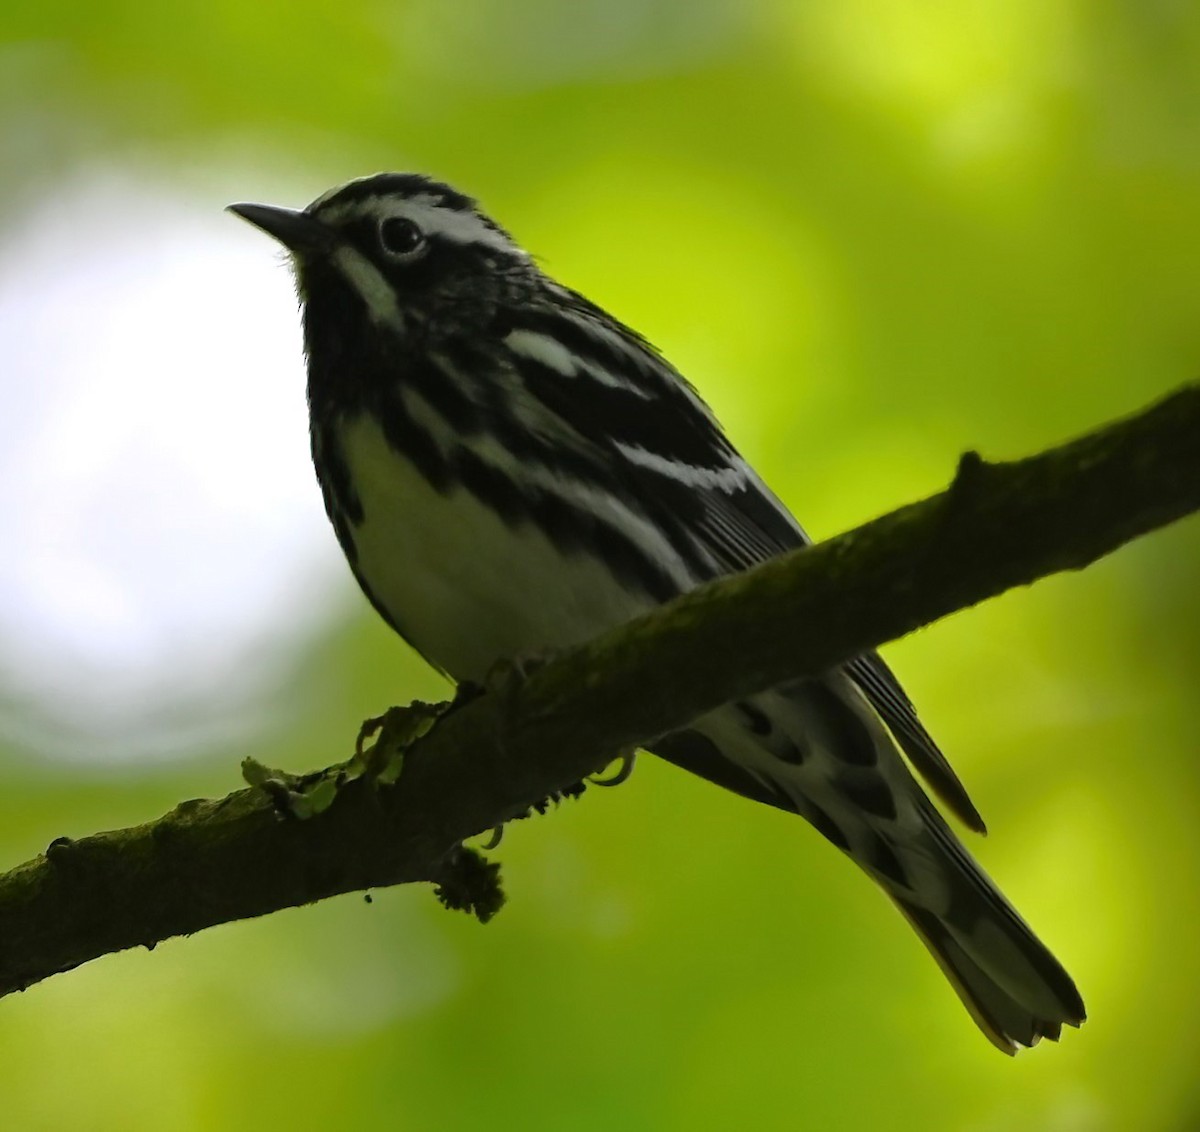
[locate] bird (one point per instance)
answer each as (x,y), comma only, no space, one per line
(510,470)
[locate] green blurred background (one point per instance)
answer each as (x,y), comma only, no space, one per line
(874,234)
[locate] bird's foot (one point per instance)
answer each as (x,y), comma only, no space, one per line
(509,673)
(504,676)
(625,768)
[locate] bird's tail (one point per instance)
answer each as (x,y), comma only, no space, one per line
(816,748)
(1013,987)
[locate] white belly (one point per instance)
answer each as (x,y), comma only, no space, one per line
(463,587)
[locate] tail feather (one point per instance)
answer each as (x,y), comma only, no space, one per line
(818,749)
(1000,1006)
(1012,986)
(1010,983)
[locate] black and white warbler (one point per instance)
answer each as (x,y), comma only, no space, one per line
(510,469)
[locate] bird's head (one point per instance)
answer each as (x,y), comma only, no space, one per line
(401,251)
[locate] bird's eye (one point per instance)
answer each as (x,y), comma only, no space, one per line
(401,237)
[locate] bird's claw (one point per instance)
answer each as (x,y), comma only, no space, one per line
(494,839)
(626,761)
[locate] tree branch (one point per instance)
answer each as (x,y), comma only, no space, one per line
(207,862)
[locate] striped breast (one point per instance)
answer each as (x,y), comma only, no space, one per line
(465,584)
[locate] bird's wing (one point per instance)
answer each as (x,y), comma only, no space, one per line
(871,673)
(745,524)
(652,431)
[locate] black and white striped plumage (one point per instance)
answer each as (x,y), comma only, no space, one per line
(509,469)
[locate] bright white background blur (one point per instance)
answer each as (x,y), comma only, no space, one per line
(165,541)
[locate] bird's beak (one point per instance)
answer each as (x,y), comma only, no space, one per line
(296,231)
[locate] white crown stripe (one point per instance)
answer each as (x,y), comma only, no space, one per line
(430,214)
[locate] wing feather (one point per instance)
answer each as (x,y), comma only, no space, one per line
(631,410)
